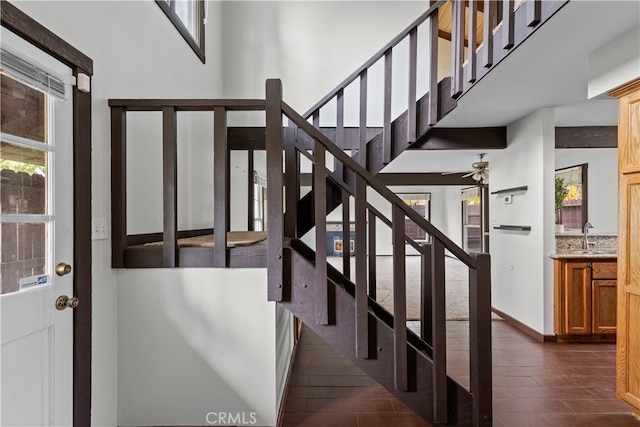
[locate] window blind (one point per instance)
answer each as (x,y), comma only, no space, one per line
(470,193)
(32,75)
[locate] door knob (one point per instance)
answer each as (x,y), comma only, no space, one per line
(64,301)
(63,269)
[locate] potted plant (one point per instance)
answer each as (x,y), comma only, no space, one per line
(560,194)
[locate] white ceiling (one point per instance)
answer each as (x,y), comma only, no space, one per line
(548,70)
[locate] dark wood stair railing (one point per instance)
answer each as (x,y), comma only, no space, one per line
(171,255)
(323,302)
(419,363)
(502,27)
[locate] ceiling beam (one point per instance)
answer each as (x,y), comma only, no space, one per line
(245,138)
(463,139)
(587,137)
(433,178)
(430,178)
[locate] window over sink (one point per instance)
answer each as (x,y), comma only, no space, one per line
(574,214)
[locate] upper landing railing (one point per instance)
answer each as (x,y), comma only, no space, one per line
(221,183)
(482,33)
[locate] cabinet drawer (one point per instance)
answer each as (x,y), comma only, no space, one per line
(605,270)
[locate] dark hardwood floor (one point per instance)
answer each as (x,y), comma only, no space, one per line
(534,384)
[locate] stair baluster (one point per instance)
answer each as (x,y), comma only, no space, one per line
(399,299)
(346,232)
(320,209)
(457,48)
(439,332)
(480,339)
(362,302)
(473,40)
(372,255)
(363,136)
(386,125)
(412,115)
(169,188)
(508,24)
(221,186)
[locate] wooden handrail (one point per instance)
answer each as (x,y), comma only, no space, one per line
(377,185)
(188,104)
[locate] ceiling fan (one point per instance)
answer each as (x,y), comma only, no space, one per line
(480,171)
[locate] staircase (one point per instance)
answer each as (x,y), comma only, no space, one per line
(342,306)
(343,310)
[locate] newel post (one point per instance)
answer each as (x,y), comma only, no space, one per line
(275,217)
(480,339)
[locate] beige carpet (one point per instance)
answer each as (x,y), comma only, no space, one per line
(457,293)
(234,238)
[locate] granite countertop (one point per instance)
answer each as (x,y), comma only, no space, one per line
(604,254)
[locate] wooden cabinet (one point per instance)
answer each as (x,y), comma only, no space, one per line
(585,299)
(628,345)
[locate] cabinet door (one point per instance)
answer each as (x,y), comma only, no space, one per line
(604,306)
(605,270)
(577,291)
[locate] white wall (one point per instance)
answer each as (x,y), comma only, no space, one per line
(602,183)
(195,341)
(311,45)
(521,268)
(452,216)
(284,348)
(615,63)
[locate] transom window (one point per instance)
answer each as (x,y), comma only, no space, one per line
(189,17)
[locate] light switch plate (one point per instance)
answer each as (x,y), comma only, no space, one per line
(99,229)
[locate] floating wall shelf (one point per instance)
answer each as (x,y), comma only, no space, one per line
(513,227)
(511,190)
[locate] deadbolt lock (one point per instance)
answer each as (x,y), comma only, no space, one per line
(63,269)
(64,301)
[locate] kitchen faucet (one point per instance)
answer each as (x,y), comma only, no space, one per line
(587,226)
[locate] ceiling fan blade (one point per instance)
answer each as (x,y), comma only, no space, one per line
(453,173)
(469,174)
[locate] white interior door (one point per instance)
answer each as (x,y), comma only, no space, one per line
(37,235)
